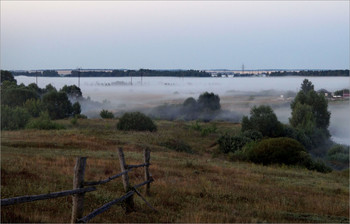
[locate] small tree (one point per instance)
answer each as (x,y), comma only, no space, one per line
(76,108)
(209,101)
(264,120)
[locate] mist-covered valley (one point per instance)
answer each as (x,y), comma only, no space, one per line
(237,96)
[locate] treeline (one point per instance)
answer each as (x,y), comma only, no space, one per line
(46,73)
(141,72)
(33,107)
(311,73)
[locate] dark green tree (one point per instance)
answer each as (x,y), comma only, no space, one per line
(209,101)
(57,104)
(264,120)
(76,108)
(6,75)
(72,91)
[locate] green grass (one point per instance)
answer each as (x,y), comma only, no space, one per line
(188,187)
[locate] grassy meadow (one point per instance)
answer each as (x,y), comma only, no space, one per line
(203,186)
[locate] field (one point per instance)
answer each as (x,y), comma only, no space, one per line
(202,186)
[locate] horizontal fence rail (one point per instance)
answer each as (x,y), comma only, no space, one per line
(24,199)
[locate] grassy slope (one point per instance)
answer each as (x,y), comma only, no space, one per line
(187,188)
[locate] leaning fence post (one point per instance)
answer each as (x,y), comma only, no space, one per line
(78,182)
(147,158)
(129,202)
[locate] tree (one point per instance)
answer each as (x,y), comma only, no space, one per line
(76,108)
(6,75)
(302,117)
(72,91)
(307,86)
(209,101)
(57,104)
(17,96)
(264,120)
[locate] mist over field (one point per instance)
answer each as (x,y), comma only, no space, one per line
(237,95)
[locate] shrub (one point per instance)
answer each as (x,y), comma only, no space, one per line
(17,96)
(136,121)
(13,118)
(105,114)
(339,153)
(43,123)
(253,135)
(209,101)
(80,116)
(228,143)
(278,151)
(177,145)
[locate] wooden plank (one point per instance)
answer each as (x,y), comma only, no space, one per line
(105,207)
(129,202)
(137,166)
(147,158)
(106,180)
(149,205)
(30,198)
(143,183)
(78,182)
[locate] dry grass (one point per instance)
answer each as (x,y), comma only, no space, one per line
(187,188)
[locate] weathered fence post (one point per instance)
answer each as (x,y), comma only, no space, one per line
(129,202)
(78,182)
(147,157)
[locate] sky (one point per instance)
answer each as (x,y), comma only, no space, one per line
(174,35)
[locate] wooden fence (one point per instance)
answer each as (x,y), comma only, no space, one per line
(80,187)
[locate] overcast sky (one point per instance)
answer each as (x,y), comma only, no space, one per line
(175,34)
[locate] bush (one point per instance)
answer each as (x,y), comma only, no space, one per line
(228,143)
(80,116)
(209,101)
(339,153)
(13,118)
(105,114)
(253,135)
(136,121)
(177,145)
(43,123)
(76,108)
(279,151)
(17,96)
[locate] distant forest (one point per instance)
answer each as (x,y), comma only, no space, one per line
(311,73)
(172,73)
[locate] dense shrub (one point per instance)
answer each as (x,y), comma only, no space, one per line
(339,153)
(278,151)
(43,123)
(177,145)
(105,114)
(13,118)
(228,143)
(136,121)
(252,134)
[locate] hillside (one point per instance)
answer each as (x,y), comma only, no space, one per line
(202,186)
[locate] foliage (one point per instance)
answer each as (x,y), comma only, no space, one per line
(228,143)
(34,107)
(341,92)
(13,118)
(302,117)
(177,145)
(7,76)
(80,116)
(76,108)
(252,134)
(204,130)
(136,121)
(17,96)
(264,120)
(72,91)
(278,151)
(307,86)
(57,104)
(339,153)
(209,101)
(105,114)
(43,122)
